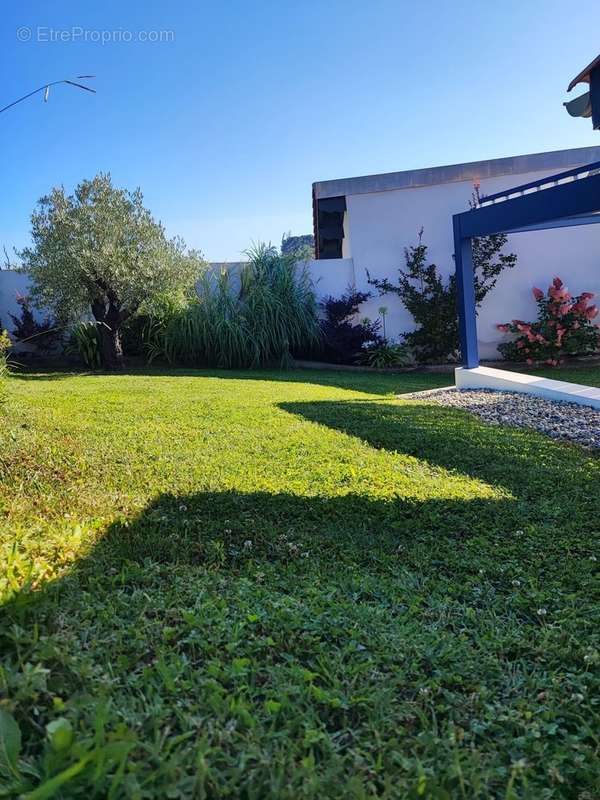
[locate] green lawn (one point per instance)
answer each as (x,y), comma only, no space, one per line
(292,585)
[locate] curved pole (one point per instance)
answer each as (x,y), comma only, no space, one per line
(45,88)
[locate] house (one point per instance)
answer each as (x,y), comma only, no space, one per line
(363,224)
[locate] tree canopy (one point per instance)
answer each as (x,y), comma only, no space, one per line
(100,250)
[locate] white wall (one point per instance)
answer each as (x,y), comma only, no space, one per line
(332,276)
(12,284)
(381,224)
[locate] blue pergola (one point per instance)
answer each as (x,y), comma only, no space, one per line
(563,200)
(558,201)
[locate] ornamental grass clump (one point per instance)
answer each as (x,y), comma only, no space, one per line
(5,345)
(564,327)
(247,319)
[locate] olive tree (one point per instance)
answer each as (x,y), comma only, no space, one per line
(99,250)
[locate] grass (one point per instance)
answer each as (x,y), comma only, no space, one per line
(291,585)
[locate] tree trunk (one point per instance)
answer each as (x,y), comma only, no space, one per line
(111,316)
(112,352)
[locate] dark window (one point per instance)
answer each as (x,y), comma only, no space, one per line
(330,226)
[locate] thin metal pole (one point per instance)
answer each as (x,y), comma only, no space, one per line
(46,86)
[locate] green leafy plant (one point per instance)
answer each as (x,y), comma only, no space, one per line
(85,342)
(387,354)
(247,319)
(431,299)
(564,327)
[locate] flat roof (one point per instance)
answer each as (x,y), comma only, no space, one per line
(557,160)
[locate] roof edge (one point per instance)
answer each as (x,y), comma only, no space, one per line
(584,75)
(469,171)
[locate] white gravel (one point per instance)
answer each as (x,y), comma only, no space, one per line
(568,421)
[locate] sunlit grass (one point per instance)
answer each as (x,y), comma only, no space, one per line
(293,585)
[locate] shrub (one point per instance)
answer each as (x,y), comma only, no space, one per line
(432,301)
(564,327)
(250,319)
(387,354)
(86,343)
(138,332)
(343,339)
(44,335)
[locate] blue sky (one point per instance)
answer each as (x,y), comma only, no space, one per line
(226,124)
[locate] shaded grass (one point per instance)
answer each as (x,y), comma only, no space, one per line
(257,586)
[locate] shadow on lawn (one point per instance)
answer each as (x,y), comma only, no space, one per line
(369,383)
(355,534)
(552,487)
(531,466)
(324,535)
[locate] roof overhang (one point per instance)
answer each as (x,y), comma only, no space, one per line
(584,75)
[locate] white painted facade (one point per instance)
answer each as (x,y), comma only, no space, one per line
(384,214)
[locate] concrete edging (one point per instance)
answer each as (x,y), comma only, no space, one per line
(504,381)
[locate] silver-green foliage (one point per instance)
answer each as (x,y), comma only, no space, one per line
(100,244)
(248,319)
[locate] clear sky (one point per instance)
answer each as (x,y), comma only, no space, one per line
(227,122)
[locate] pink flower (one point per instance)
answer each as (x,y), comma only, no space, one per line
(557,283)
(591,312)
(529,361)
(520,344)
(586,295)
(537,293)
(504,328)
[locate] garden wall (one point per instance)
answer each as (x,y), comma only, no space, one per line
(379,224)
(12,284)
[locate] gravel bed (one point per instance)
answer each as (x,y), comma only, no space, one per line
(567,421)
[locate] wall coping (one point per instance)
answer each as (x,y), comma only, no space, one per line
(556,160)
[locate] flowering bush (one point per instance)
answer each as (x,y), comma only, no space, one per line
(564,327)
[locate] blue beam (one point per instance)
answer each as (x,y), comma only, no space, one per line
(567,222)
(465,285)
(523,187)
(566,200)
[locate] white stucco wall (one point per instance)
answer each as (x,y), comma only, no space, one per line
(12,284)
(380,225)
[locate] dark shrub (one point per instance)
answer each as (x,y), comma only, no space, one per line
(44,335)
(344,339)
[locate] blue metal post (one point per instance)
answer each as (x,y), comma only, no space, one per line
(595,97)
(465,285)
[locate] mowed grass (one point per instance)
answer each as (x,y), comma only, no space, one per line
(292,585)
